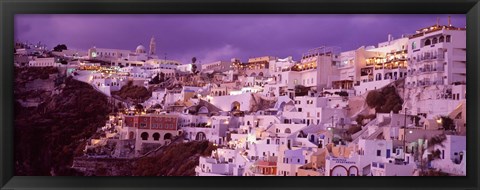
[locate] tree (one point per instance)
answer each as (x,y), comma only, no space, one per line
(301,90)
(60,48)
(385,100)
(194,68)
(343,93)
(155,80)
(375,100)
(138,108)
(447,123)
(162,76)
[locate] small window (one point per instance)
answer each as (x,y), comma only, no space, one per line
(379,152)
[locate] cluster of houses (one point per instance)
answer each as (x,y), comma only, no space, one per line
(274,116)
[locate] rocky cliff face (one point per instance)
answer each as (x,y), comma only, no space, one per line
(48,135)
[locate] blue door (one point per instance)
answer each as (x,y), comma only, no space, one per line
(388,153)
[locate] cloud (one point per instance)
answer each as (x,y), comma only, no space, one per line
(224,53)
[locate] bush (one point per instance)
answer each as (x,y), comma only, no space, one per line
(385,100)
(353,129)
(134,92)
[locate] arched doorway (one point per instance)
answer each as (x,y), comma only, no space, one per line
(200,136)
(339,170)
(353,171)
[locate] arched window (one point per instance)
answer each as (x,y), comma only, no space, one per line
(434,41)
(144,136)
(167,136)
(156,136)
(427,42)
(441,39)
(287,130)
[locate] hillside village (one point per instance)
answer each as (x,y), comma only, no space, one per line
(394,109)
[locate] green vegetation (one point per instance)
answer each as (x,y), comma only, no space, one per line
(60,47)
(134,92)
(159,78)
(385,100)
(47,137)
(353,129)
(176,160)
(27,74)
(360,118)
(447,123)
(301,90)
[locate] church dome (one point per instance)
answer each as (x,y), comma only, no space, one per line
(140,49)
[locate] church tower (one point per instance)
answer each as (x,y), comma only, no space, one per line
(152,46)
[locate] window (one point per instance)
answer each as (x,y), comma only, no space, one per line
(156,136)
(427,42)
(144,136)
(441,39)
(379,152)
(448,38)
(414,45)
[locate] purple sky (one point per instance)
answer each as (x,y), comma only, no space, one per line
(221,37)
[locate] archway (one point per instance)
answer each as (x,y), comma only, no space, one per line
(339,170)
(427,42)
(260,74)
(167,136)
(144,136)
(203,110)
(253,74)
(353,171)
(156,136)
(200,136)
(441,39)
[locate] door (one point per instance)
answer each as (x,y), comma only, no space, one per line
(388,153)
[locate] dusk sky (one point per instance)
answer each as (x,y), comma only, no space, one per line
(221,37)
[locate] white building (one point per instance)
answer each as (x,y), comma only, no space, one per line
(43,62)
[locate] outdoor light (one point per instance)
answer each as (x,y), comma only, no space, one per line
(410,131)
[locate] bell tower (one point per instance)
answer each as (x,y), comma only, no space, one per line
(152,46)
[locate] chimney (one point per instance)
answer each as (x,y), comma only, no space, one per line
(438,21)
(389,37)
(449,21)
